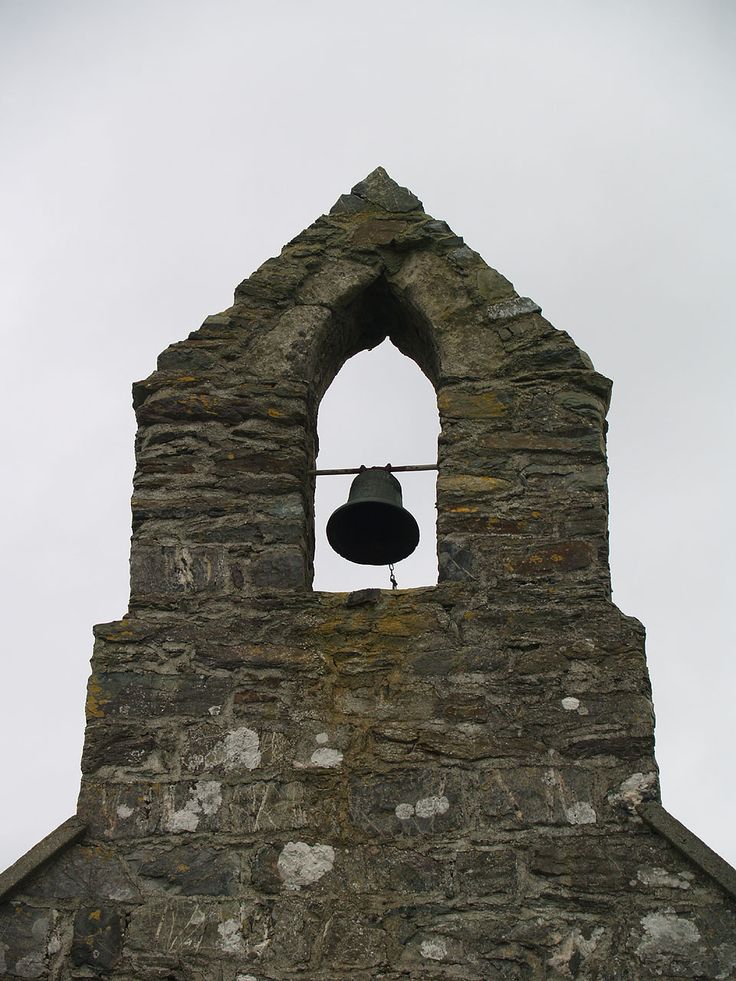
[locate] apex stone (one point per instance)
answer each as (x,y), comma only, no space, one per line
(381,189)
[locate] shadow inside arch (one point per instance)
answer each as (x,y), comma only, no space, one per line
(363,323)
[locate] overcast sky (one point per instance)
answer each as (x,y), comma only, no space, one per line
(153,153)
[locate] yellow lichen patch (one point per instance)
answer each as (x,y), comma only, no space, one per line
(470,405)
(95,705)
(462,509)
(365,622)
(401,625)
(95,914)
(356,622)
(275,414)
(462,484)
(193,403)
(186,379)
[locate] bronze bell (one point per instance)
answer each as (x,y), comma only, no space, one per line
(373,528)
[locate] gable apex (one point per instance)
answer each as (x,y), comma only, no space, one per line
(380,190)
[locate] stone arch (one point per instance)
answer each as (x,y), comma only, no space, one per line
(344,308)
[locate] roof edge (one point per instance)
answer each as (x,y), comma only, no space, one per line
(690,845)
(59,839)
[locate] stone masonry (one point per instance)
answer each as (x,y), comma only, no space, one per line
(453,782)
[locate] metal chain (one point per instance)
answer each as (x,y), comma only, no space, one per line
(394,584)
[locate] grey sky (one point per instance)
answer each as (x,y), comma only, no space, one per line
(152,154)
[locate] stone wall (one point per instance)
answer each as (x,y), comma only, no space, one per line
(433,783)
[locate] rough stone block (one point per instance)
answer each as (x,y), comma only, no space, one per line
(187,870)
(98,938)
(84,872)
(25,935)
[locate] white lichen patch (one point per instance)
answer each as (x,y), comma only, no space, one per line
(326,757)
(300,864)
(214,709)
(726,958)
(425,807)
(323,756)
(664,879)
(246,977)
(434,949)
(124,812)
(667,933)
(580,813)
(205,798)
(634,789)
(30,966)
(241,748)
(570,703)
(231,937)
(428,807)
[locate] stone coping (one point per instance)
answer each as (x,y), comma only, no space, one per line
(690,845)
(652,813)
(66,834)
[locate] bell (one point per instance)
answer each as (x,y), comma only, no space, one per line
(373,528)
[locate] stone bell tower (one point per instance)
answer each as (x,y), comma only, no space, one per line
(453,782)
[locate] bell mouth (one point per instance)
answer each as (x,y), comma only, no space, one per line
(372,532)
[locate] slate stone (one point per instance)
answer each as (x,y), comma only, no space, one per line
(98,938)
(264,869)
(119,746)
(282,569)
(456,561)
(149,695)
(485,872)
(82,872)
(347,204)
(360,596)
(354,941)
(198,871)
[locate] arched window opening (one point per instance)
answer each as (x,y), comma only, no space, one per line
(379,409)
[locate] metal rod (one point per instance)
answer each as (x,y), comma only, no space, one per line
(351,470)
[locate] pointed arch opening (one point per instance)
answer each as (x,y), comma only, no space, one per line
(380,408)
